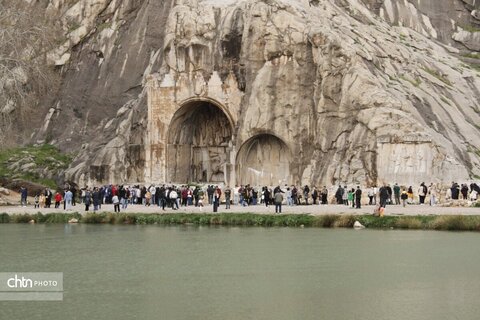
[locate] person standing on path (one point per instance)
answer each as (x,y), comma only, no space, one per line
(474,191)
(48,198)
(390,194)
(116,203)
(455,190)
(370,196)
(339,195)
(396,192)
(174,198)
(306,192)
(74,194)
(294,195)
(216,199)
(358,197)
(410,195)
(432,191)
(36,202)
(345,196)
(153,191)
(324,195)
(351,196)
(88,199)
(266,194)
(23,196)
(383,196)
(68,199)
(314,195)
(278,198)
(58,199)
(240,197)
(289,197)
(228,194)
(464,191)
(422,193)
(201,197)
(96,199)
(404,197)
(148,197)
(42,200)
(210,192)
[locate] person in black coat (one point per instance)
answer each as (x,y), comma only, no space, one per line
(358,197)
(464,191)
(324,195)
(474,187)
(48,198)
(88,199)
(390,193)
(216,199)
(306,192)
(384,196)
(339,195)
(266,194)
(122,195)
(96,199)
(74,193)
(210,191)
(455,190)
(314,195)
(143,192)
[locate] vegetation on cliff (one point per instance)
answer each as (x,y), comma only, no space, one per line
(39,164)
(26,78)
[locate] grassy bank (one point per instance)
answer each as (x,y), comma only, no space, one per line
(32,163)
(459,223)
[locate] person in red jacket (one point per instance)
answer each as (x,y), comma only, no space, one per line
(114,190)
(58,199)
(184,194)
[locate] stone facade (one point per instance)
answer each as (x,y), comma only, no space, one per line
(181,148)
(191,126)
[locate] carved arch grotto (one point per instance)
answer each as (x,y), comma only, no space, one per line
(199,142)
(264,159)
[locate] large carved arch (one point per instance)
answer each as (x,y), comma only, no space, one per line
(199,143)
(180,107)
(264,160)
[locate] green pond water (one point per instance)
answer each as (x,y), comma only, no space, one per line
(157,272)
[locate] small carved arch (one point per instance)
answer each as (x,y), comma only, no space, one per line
(264,159)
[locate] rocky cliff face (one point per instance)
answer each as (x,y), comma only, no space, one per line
(342,90)
(450,22)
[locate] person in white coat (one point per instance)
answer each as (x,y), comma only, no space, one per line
(432,191)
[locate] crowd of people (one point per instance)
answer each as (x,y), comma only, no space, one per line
(174,197)
(403,195)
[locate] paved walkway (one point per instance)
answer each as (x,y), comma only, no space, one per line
(261,209)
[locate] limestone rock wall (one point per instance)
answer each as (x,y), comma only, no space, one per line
(450,22)
(359,92)
(111,48)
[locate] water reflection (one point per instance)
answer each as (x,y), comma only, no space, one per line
(197,272)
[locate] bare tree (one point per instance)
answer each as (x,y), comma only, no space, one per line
(26,36)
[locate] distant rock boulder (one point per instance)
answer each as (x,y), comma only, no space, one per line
(73,220)
(4,191)
(15,184)
(358,225)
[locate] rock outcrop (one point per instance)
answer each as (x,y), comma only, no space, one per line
(451,22)
(357,225)
(8,197)
(332,90)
